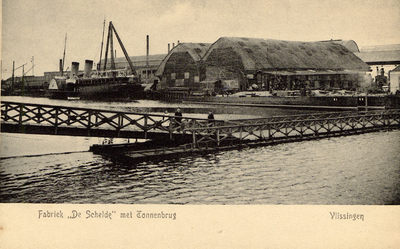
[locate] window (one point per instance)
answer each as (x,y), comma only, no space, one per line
(173,76)
(196,79)
(186,75)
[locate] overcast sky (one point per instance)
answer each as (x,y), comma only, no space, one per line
(37,28)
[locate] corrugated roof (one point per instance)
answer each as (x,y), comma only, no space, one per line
(196,51)
(380,57)
(269,54)
(375,48)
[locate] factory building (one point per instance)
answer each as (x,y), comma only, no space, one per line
(182,68)
(266,64)
(382,59)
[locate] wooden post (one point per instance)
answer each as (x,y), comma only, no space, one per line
(56,122)
(145,126)
(194,138)
(170,128)
(119,126)
(38,114)
(218,141)
(240,136)
(89,125)
(21,110)
(269,131)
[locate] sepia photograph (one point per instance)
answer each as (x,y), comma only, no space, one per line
(200,124)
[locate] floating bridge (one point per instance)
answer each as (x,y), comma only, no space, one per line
(170,138)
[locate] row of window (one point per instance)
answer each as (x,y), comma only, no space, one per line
(186,75)
(149,71)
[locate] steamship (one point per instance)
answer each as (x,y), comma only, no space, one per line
(106,84)
(110,84)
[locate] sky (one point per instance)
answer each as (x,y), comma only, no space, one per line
(37,28)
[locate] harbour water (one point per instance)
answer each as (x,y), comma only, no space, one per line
(353,170)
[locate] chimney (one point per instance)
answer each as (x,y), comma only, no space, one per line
(88,68)
(61,67)
(173,45)
(147,57)
(169,48)
(74,69)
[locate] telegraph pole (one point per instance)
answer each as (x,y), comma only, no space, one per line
(33,62)
(12,83)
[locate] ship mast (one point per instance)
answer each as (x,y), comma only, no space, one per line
(102,41)
(63,61)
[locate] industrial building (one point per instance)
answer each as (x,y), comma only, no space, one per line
(182,67)
(237,63)
(266,64)
(382,59)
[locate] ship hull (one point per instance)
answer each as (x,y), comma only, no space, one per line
(96,90)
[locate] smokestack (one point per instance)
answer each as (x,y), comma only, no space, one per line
(74,69)
(61,67)
(147,57)
(173,45)
(168,47)
(88,68)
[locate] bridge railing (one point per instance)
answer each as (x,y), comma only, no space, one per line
(202,130)
(299,117)
(308,126)
(92,119)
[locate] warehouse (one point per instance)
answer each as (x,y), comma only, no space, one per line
(266,64)
(182,68)
(382,59)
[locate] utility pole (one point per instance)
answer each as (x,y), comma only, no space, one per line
(147,59)
(12,83)
(22,81)
(33,62)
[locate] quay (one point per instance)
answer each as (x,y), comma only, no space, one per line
(168,138)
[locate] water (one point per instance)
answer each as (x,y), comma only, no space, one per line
(353,170)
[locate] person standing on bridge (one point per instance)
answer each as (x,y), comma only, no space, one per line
(178,117)
(211,119)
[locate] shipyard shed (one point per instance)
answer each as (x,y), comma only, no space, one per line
(382,59)
(182,67)
(267,64)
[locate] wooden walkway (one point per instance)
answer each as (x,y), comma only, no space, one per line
(171,138)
